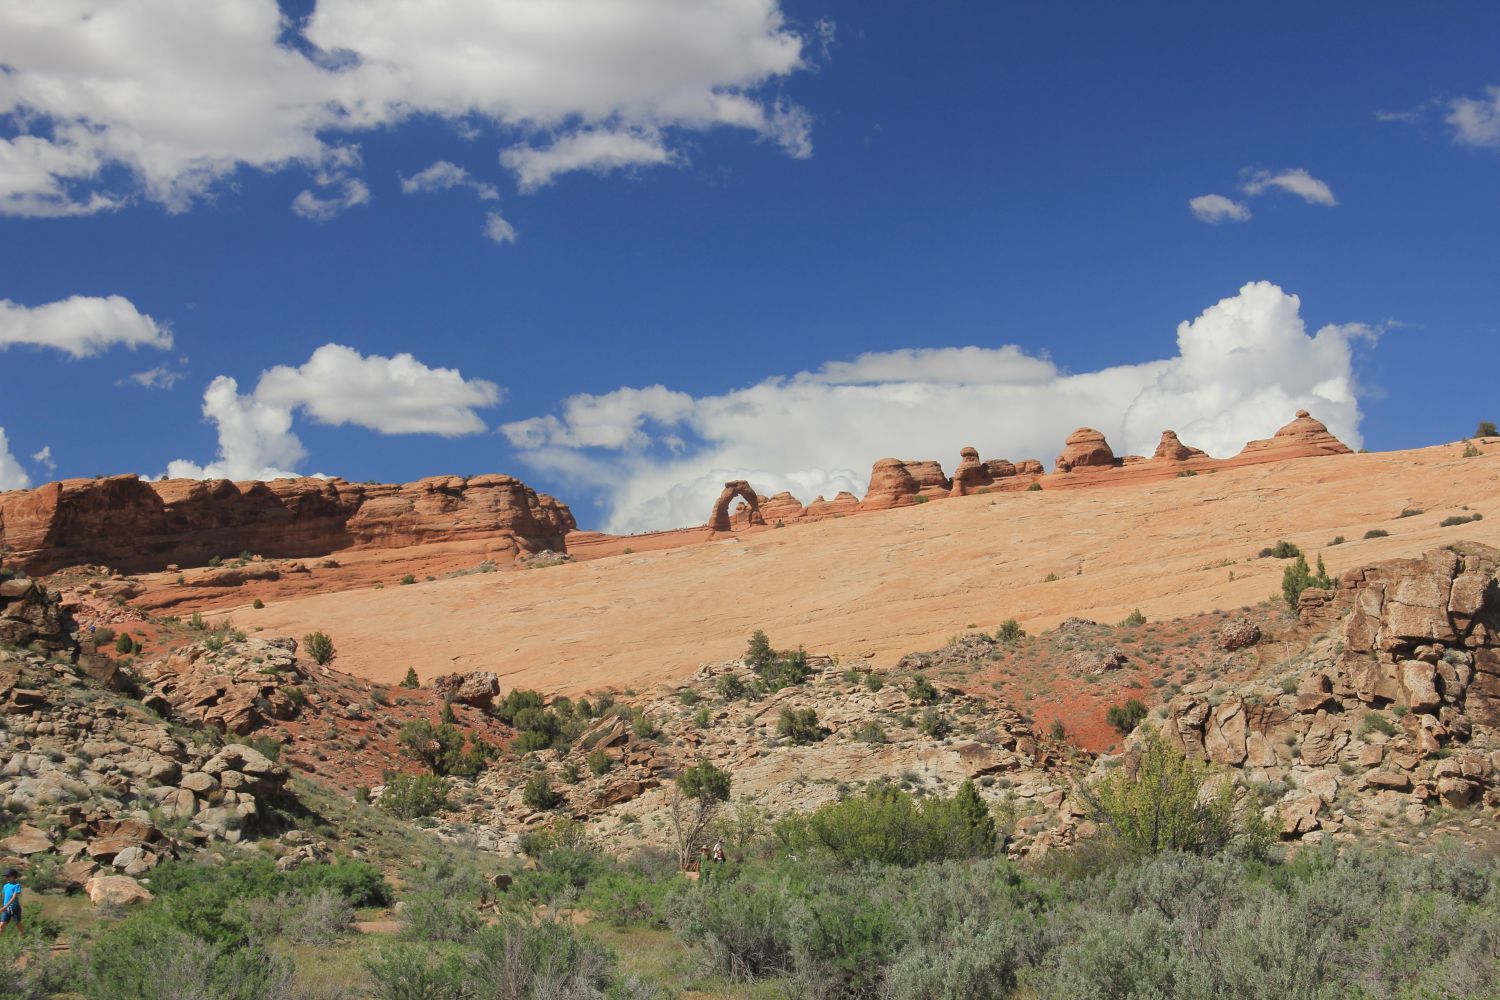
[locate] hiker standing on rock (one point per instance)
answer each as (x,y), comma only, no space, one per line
(10,903)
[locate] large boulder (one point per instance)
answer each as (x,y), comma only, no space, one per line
(1085,448)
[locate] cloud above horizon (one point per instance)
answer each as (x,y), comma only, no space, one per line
(12,476)
(337,386)
(81,326)
(1216,208)
(112,101)
(1476,121)
(657,457)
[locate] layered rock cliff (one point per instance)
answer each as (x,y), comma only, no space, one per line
(133,525)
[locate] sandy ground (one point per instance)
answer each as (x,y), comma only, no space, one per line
(879,585)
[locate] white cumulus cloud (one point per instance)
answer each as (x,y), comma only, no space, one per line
(12,476)
(1217,208)
(1476,121)
(599,150)
(81,326)
(498,229)
(336,386)
(658,457)
(181,94)
(1298,182)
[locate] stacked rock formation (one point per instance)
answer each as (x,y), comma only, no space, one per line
(1173,450)
(971,474)
(1085,448)
(30,615)
(231,685)
(129,524)
(1301,438)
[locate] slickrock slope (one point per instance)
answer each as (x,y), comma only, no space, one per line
(879,585)
(130,524)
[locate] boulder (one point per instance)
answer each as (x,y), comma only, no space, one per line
(478,688)
(1238,633)
(116,890)
(1173,450)
(1085,448)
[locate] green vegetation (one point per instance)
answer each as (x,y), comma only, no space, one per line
(887,826)
(1127,716)
(1134,620)
(441,748)
(1411,512)
(1010,631)
(599,762)
(1297,577)
(408,796)
(407,580)
(775,669)
(1336,540)
(933,724)
(800,725)
(1281,550)
(411,682)
(1486,429)
(1034,488)
(729,687)
(538,793)
(1455,520)
(1470,451)
(319,647)
(921,691)
(1377,533)
(1374,722)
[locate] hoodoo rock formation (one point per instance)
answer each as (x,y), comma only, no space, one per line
(1084,448)
(1302,438)
(781,507)
(1173,450)
(971,474)
(124,522)
(719,519)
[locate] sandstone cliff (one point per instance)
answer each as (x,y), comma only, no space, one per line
(130,524)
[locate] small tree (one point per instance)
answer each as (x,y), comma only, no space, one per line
(1486,429)
(759,654)
(1297,577)
(538,793)
(411,681)
(1010,631)
(799,725)
(319,647)
(695,799)
(921,691)
(1157,802)
(408,796)
(1127,716)
(124,644)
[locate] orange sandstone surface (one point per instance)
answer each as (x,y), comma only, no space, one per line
(879,584)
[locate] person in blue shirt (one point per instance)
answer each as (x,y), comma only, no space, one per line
(10,902)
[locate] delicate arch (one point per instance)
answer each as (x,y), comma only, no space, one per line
(719,520)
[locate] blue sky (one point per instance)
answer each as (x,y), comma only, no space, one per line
(714,202)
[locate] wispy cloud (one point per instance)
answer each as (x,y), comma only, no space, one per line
(1298,182)
(1217,208)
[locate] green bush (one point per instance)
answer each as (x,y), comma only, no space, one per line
(1034,488)
(1281,550)
(1377,533)
(1336,540)
(599,762)
(888,826)
(1486,429)
(703,718)
(1411,512)
(408,796)
(1470,450)
(1297,577)
(1156,803)
(258,604)
(729,687)
(1375,722)
(1134,620)
(704,780)
(1127,716)
(441,748)
(921,690)
(874,681)
(319,647)
(799,725)
(1455,520)
(407,580)
(933,724)
(148,957)
(871,732)
(775,669)
(124,644)
(1010,631)
(538,793)
(514,703)
(411,682)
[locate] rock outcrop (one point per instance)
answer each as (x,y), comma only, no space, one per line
(1085,448)
(31,616)
(130,524)
(718,519)
(232,684)
(1173,450)
(896,483)
(844,503)
(1304,437)
(972,474)
(781,507)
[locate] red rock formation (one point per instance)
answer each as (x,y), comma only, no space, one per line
(971,474)
(132,525)
(930,479)
(1302,438)
(1029,467)
(896,483)
(1173,450)
(1084,448)
(719,519)
(781,507)
(844,503)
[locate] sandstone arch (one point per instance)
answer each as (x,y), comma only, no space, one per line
(719,519)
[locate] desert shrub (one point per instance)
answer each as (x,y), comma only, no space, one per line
(1455,520)
(1059,731)
(1157,804)
(147,957)
(408,796)
(514,702)
(443,749)
(1010,631)
(1377,723)
(1336,540)
(703,718)
(1297,577)
(539,794)
(599,762)
(435,916)
(887,825)
(933,724)
(319,647)
(871,732)
(873,681)
(776,669)
(729,687)
(258,604)
(124,644)
(799,725)
(1486,429)
(1127,716)
(103,636)
(407,580)
(408,971)
(1034,488)
(1377,533)
(702,780)
(1134,620)
(1411,512)
(1281,550)
(644,726)
(317,920)
(921,690)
